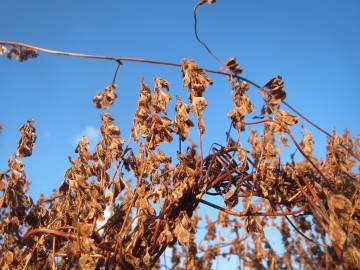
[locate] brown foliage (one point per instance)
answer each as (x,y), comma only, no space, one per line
(314,204)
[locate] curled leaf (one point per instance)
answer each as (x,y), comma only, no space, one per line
(198,105)
(182,119)
(336,233)
(105,97)
(20,53)
(274,96)
(194,78)
(233,66)
(352,257)
(341,207)
(285,117)
(307,142)
(27,140)
(242,105)
(159,98)
(3,50)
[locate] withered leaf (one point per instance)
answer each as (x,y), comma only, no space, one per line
(284,141)
(3,50)
(182,120)
(194,78)
(242,105)
(198,105)
(147,259)
(231,198)
(233,66)
(27,140)
(285,117)
(336,233)
(21,53)
(86,262)
(307,142)
(252,225)
(182,234)
(159,98)
(9,257)
(352,257)
(274,96)
(341,207)
(84,225)
(105,97)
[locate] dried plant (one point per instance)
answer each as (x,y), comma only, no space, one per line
(314,204)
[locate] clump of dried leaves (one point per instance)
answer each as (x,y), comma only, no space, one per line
(314,204)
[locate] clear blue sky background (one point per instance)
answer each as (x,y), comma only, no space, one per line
(314,45)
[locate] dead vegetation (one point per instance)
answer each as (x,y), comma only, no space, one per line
(314,204)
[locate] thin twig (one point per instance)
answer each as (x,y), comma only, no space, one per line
(53,254)
(197,34)
(116,71)
(247,213)
(258,86)
(318,128)
(299,232)
(49,231)
(116,59)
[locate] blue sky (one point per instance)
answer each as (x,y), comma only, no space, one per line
(314,45)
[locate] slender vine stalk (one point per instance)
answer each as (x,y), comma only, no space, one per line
(256,214)
(119,60)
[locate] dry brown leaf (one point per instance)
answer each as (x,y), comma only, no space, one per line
(352,257)
(105,97)
(9,257)
(21,53)
(233,66)
(27,140)
(341,207)
(336,233)
(194,78)
(182,234)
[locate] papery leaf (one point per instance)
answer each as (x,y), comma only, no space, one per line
(231,198)
(27,140)
(194,78)
(284,141)
(147,259)
(307,142)
(285,117)
(233,66)
(105,97)
(182,234)
(336,233)
(159,98)
(86,262)
(182,120)
(352,257)
(341,207)
(9,257)
(21,53)
(3,50)
(198,105)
